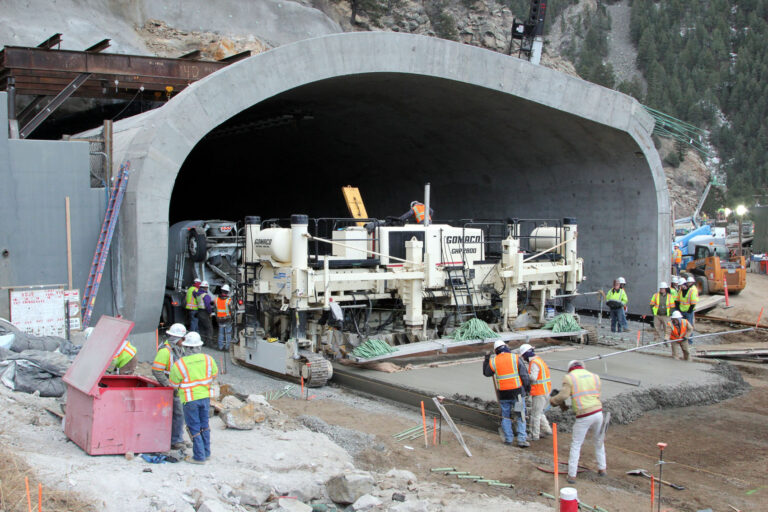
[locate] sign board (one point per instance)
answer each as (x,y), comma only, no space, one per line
(73,300)
(39,312)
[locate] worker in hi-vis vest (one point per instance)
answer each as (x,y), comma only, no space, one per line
(224,317)
(616,300)
(583,388)
(662,306)
(689,299)
(193,375)
(191,306)
(124,361)
(510,378)
(677,259)
(541,385)
(167,355)
(680,331)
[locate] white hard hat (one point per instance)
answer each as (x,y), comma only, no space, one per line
(677,245)
(204,284)
(498,343)
(88,332)
(225,288)
(177,330)
(525,348)
(192,340)
(575,362)
(197,280)
(690,280)
(677,314)
(675,280)
(621,280)
(663,284)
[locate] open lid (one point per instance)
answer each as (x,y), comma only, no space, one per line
(97,353)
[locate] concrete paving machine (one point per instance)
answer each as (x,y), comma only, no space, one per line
(316,287)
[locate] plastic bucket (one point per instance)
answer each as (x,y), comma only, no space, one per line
(569,500)
(549,313)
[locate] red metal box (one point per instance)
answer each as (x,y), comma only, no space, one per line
(113,414)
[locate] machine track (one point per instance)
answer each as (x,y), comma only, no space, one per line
(317,371)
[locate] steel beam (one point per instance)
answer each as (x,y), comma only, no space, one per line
(52,41)
(101,45)
(53,105)
(193,55)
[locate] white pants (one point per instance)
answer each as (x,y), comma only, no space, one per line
(580,429)
(538,419)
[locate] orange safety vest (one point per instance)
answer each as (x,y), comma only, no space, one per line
(678,256)
(505,374)
(678,335)
(543,384)
(222,307)
(419,211)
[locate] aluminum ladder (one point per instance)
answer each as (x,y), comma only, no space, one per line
(461,286)
(105,240)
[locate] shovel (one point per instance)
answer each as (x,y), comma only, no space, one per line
(642,472)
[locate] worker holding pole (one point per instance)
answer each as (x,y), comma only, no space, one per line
(170,352)
(680,335)
(662,306)
(541,385)
(193,375)
(511,380)
(583,388)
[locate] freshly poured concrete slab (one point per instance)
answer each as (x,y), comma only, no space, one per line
(467,378)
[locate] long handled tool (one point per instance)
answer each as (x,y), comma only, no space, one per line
(642,472)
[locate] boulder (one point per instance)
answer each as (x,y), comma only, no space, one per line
(213,506)
(292,505)
(365,502)
(346,488)
(252,494)
(231,402)
(243,418)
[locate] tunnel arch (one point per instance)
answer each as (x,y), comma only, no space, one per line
(560,146)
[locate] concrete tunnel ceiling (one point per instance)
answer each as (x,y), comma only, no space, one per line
(281,132)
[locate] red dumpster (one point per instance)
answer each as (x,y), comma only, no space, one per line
(114,414)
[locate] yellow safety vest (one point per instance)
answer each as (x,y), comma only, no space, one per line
(585,389)
(505,374)
(669,305)
(193,376)
(689,298)
(618,295)
(124,354)
(164,359)
(191,302)
(543,384)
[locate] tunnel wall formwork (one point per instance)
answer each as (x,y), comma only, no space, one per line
(598,165)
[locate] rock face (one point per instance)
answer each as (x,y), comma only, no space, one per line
(347,488)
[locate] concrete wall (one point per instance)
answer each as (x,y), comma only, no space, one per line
(559,146)
(36,176)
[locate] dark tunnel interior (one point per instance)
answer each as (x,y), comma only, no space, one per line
(483,151)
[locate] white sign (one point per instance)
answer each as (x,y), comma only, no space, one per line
(73,299)
(39,312)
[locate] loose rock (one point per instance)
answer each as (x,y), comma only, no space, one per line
(291,505)
(365,502)
(348,487)
(252,494)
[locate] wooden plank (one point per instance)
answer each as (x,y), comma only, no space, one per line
(451,424)
(354,203)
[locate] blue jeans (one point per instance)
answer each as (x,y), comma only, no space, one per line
(225,335)
(507,409)
(623,318)
(196,416)
(192,315)
(177,421)
(618,319)
(688,315)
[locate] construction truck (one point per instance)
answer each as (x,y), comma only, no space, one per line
(713,265)
(313,289)
(209,250)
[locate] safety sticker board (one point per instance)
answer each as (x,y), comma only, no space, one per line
(73,300)
(39,312)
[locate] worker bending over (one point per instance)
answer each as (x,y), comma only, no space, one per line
(224,317)
(689,299)
(124,361)
(680,335)
(662,306)
(583,388)
(541,385)
(616,299)
(190,304)
(510,378)
(193,375)
(170,352)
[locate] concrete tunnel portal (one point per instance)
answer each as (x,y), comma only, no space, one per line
(497,137)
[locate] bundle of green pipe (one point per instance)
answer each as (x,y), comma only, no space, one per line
(373,348)
(564,322)
(473,329)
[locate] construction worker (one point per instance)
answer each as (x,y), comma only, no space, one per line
(510,378)
(204,313)
(623,284)
(224,317)
(674,290)
(677,259)
(680,335)
(583,388)
(125,361)
(170,352)
(662,306)
(190,304)
(541,385)
(193,375)
(616,300)
(689,300)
